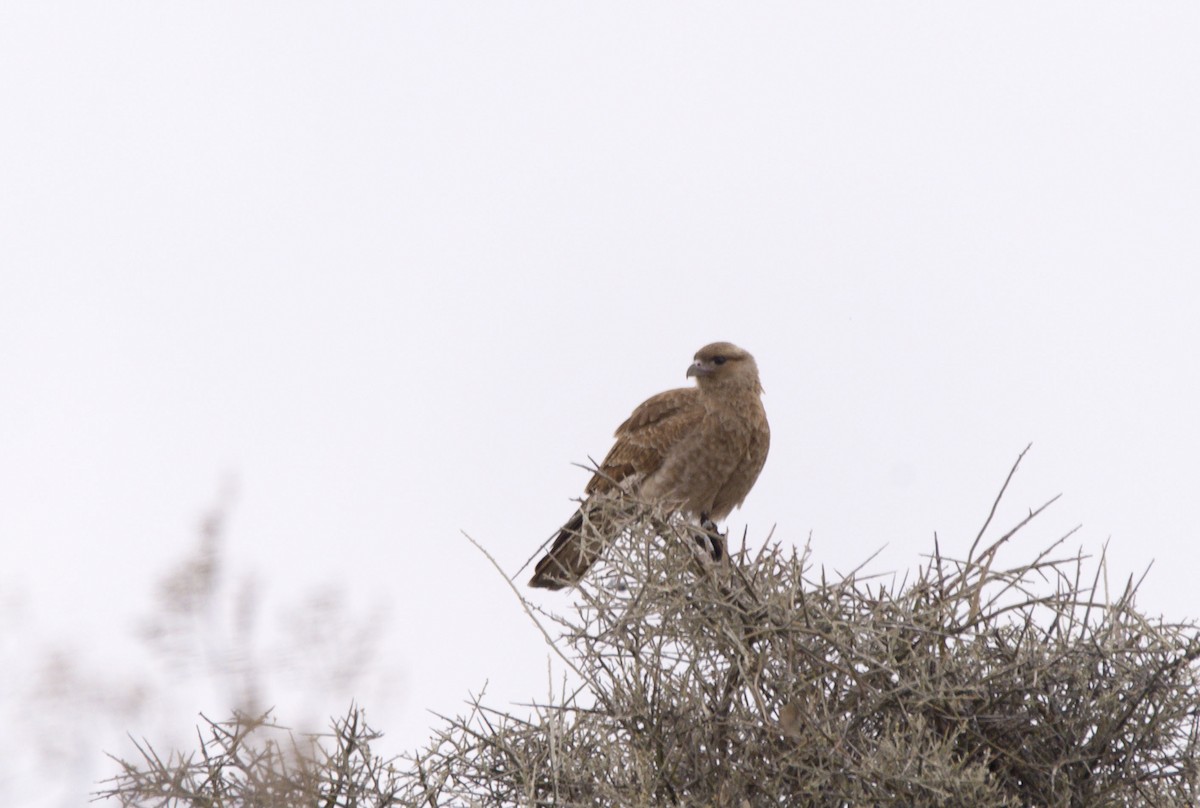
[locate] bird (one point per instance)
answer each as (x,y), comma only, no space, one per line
(695,450)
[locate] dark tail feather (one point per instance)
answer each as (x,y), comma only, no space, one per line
(575,549)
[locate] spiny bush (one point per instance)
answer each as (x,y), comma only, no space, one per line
(753,682)
(253,761)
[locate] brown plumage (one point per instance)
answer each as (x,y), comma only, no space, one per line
(695,450)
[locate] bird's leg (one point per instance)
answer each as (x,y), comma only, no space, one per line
(711,539)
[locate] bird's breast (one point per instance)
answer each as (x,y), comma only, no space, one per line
(711,470)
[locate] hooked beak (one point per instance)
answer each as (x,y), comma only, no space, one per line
(698,368)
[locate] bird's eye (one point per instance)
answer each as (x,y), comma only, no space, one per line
(718,360)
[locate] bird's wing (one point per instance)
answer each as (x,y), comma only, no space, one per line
(646,437)
(643,440)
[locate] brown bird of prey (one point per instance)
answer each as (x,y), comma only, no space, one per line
(695,450)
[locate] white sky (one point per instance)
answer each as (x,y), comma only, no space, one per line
(392,267)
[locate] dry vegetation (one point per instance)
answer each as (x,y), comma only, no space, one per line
(757,683)
(252,761)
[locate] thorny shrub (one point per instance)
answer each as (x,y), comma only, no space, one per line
(750,682)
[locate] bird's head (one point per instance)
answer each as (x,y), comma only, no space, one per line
(724,366)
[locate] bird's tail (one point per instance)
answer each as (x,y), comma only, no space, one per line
(576,547)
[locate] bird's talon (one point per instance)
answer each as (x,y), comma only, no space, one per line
(710,539)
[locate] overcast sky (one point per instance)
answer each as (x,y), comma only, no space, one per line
(379,273)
